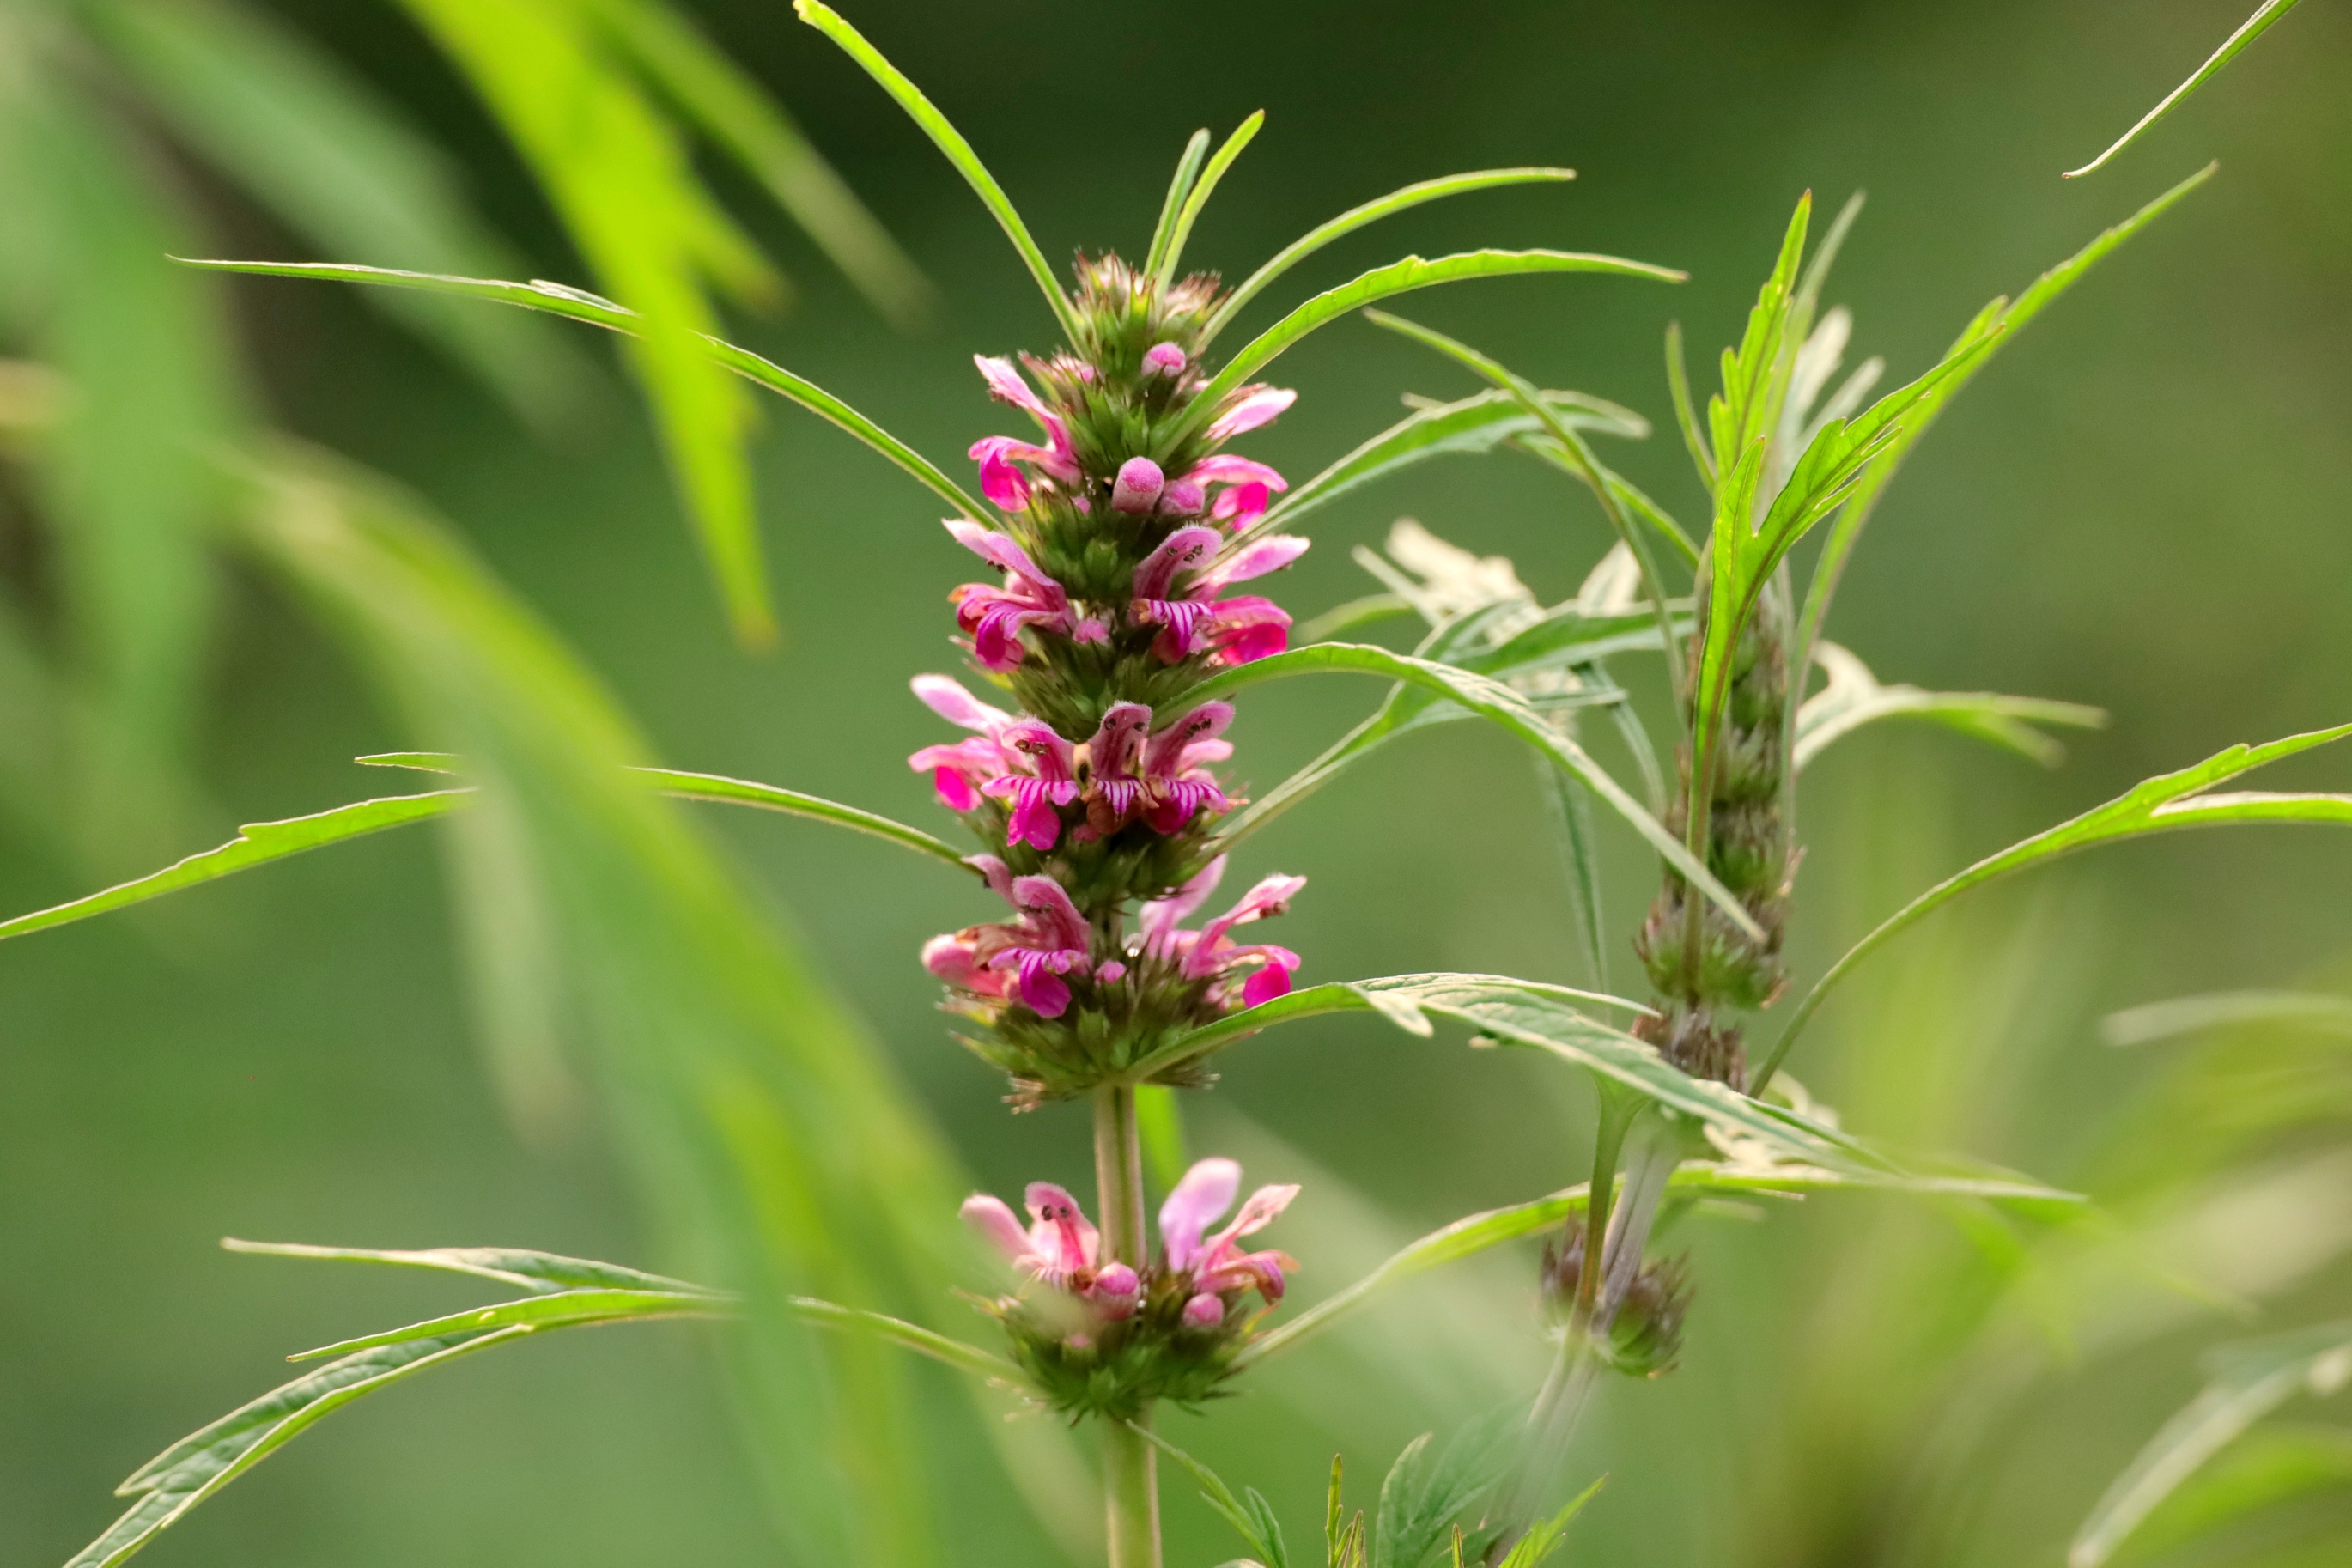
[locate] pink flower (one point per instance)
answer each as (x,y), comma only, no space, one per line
(1176,783)
(1204,1310)
(1217,1263)
(1058,1245)
(959,771)
(1004,484)
(1183,498)
(1136,489)
(1247,409)
(1235,630)
(1050,782)
(993,618)
(1210,952)
(1111,759)
(1163,359)
(955,958)
(1050,940)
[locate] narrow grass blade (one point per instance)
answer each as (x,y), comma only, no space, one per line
(1165,268)
(1354,218)
(2252,27)
(1855,698)
(743,792)
(2180,1016)
(257,844)
(1188,169)
(950,141)
(556,1309)
(541,1272)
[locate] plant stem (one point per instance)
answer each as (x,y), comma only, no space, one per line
(1608,1139)
(1131,1483)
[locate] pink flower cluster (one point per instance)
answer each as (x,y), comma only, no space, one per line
(1059,1248)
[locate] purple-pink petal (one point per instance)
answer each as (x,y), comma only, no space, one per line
(1249,408)
(1197,1202)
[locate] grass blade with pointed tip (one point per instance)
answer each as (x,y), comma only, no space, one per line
(2248,31)
(1397,278)
(1188,169)
(537,1271)
(2168,803)
(1164,268)
(1354,218)
(940,1347)
(1855,698)
(554,1310)
(950,141)
(1490,699)
(743,792)
(257,844)
(578,305)
(2166,1020)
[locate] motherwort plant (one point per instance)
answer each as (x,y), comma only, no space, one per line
(1125,543)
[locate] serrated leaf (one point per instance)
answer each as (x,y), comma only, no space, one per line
(2166,803)
(1490,699)
(578,305)
(257,844)
(2250,1382)
(1250,1519)
(1855,698)
(1397,278)
(1354,218)
(2252,27)
(951,141)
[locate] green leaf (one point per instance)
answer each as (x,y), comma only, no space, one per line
(2166,803)
(1397,278)
(1250,1519)
(1354,218)
(1470,426)
(1571,817)
(557,1310)
(2226,1009)
(541,1272)
(257,844)
(2248,31)
(1160,1122)
(702,84)
(1541,1542)
(621,181)
(319,148)
(1354,615)
(950,141)
(2249,1382)
(2262,1470)
(1996,324)
(1428,1489)
(1754,373)
(1188,169)
(1854,697)
(1686,416)
(743,792)
(577,305)
(940,1347)
(1198,197)
(1488,699)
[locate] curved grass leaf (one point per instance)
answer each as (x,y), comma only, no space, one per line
(541,1272)
(950,141)
(2249,1381)
(1470,426)
(1354,615)
(2166,803)
(1188,169)
(1491,699)
(257,844)
(1686,416)
(1165,268)
(1854,697)
(578,305)
(940,1347)
(2226,1009)
(553,1309)
(2248,31)
(1397,278)
(2273,1465)
(1354,218)
(743,792)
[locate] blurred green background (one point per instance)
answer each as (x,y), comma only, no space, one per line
(2147,505)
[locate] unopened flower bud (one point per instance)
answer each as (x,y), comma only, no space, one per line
(1183,498)
(1138,487)
(1204,1310)
(1115,1291)
(1163,359)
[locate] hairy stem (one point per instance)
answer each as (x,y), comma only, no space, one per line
(1131,1483)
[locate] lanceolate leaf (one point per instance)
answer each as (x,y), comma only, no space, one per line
(2250,1382)
(1188,169)
(743,792)
(1354,218)
(541,1272)
(1396,278)
(1854,697)
(1488,699)
(256,843)
(1166,267)
(582,306)
(2166,803)
(555,1310)
(950,141)
(2248,31)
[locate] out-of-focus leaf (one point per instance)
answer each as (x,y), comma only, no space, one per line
(1397,278)
(951,141)
(580,306)
(1249,1514)
(1333,624)
(1160,1124)
(554,1310)
(1354,218)
(2252,27)
(2166,803)
(1490,699)
(1539,1544)
(2249,1382)
(316,146)
(1472,425)
(256,843)
(702,84)
(620,179)
(2265,1467)
(1994,326)
(1571,817)
(539,1272)
(2225,1009)
(1854,697)
(1197,197)
(1427,1495)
